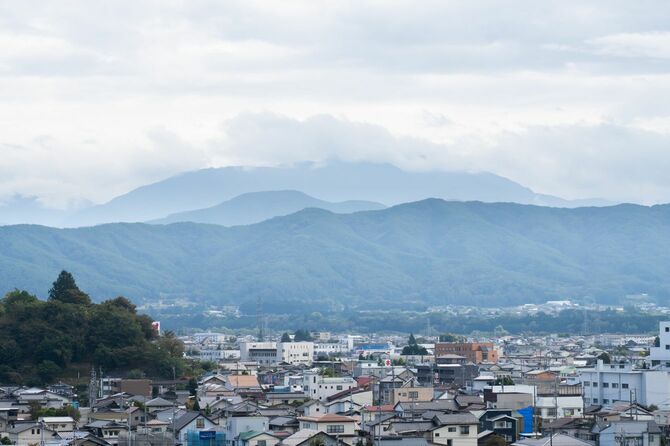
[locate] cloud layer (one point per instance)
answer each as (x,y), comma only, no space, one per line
(568,98)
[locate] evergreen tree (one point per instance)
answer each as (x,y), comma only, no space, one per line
(413,348)
(302,335)
(65,289)
(285,337)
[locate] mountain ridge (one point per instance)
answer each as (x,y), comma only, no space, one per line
(334,181)
(433,252)
(254,207)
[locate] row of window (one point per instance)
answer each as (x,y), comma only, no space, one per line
(335,429)
(465,430)
(606,385)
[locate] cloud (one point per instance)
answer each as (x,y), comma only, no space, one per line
(98,99)
(601,160)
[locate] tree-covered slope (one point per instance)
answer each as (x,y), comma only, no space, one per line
(430,251)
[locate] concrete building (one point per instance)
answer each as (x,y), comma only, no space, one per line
(607,383)
(295,352)
(661,355)
(264,353)
(318,387)
(476,352)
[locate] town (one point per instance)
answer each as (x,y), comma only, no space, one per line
(325,389)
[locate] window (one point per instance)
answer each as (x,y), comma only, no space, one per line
(587,383)
(465,430)
(624,385)
(667,346)
(595,384)
(667,329)
(606,384)
(451,429)
(605,401)
(261,443)
(335,429)
(615,385)
(595,400)
(339,387)
(200,423)
(437,434)
(449,442)
(414,394)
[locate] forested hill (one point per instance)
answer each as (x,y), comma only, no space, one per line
(46,340)
(432,251)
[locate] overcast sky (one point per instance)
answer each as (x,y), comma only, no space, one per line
(570,98)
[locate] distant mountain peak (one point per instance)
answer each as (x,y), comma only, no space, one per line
(254,207)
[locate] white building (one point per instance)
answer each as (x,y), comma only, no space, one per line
(264,353)
(295,352)
(236,425)
(320,388)
(607,383)
(661,355)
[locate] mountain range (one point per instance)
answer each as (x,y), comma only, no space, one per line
(430,252)
(334,182)
(255,207)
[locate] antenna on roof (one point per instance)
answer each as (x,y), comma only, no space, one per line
(259,319)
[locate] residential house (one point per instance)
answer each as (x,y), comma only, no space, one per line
(340,426)
(27,434)
(256,438)
(638,433)
(58,424)
(235,425)
(310,437)
(191,425)
(454,430)
(504,422)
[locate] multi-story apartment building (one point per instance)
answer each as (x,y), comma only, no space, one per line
(606,383)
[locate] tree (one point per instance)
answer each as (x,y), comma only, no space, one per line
(495,440)
(657,341)
(192,386)
(48,371)
(65,289)
(504,381)
(5,440)
(285,337)
(413,348)
(196,405)
(450,337)
(302,335)
(605,357)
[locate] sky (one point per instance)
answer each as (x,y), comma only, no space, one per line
(569,98)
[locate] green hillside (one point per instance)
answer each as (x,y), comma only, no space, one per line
(432,251)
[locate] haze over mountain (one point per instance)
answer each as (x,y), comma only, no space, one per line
(336,181)
(427,252)
(255,207)
(21,209)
